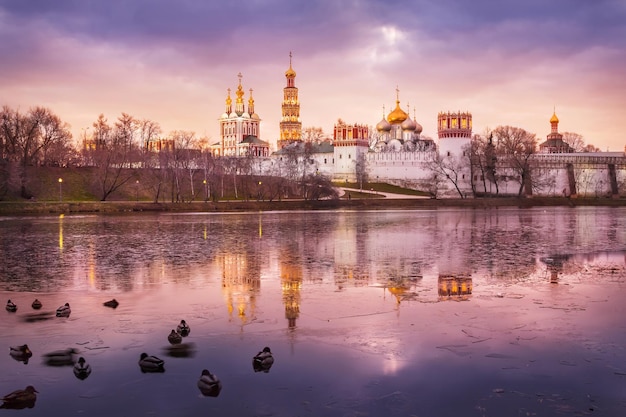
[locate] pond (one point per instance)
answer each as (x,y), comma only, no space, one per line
(438,312)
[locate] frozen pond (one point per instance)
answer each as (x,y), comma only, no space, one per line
(500,312)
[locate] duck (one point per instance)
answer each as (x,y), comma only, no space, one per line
(111,303)
(149,363)
(36,305)
(20,353)
(11,307)
(21,398)
(263,361)
(209,384)
(82,368)
(60,357)
(64,310)
(183,328)
(174,338)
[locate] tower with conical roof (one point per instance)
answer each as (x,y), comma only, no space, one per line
(290,124)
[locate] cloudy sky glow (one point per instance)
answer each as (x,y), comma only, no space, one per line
(507,62)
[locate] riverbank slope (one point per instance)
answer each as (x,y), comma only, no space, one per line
(69,207)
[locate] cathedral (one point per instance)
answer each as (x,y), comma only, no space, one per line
(240,128)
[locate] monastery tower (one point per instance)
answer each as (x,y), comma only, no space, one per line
(455,133)
(290,124)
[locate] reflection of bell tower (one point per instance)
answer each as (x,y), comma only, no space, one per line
(291,284)
(290,124)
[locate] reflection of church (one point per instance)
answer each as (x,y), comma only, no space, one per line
(454,287)
(241,283)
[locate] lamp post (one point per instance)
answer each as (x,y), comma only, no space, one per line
(206,191)
(60,189)
(137,190)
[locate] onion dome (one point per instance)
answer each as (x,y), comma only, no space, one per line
(397,115)
(418,127)
(408,124)
(383,125)
(554,119)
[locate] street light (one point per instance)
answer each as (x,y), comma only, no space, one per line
(137,190)
(206,191)
(60,189)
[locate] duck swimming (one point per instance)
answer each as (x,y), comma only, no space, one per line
(36,304)
(111,303)
(11,307)
(64,310)
(209,384)
(263,361)
(60,357)
(21,398)
(174,338)
(82,369)
(149,363)
(20,353)
(183,328)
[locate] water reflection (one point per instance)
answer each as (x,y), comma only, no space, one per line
(354,304)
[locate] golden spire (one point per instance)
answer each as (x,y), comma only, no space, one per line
(229,103)
(397,115)
(290,73)
(250,104)
(554,119)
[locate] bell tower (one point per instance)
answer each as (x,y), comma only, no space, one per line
(290,124)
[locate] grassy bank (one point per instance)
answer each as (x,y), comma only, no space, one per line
(76,207)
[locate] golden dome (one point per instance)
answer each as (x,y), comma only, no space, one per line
(554,119)
(397,115)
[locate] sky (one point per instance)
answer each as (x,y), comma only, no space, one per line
(172,61)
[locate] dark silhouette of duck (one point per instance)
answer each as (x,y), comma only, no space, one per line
(60,357)
(209,384)
(111,303)
(20,353)
(149,363)
(183,329)
(11,307)
(64,310)
(174,338)
(82,369)
(20,399)
(36,305)
(263,361)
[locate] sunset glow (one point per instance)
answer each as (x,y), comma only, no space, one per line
(508,63)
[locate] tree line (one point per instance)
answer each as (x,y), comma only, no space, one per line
(121,153)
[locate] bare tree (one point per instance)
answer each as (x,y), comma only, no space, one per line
(31,139)
(114,153)
(450,167)
(360,167)
(514,147)
(313,134)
